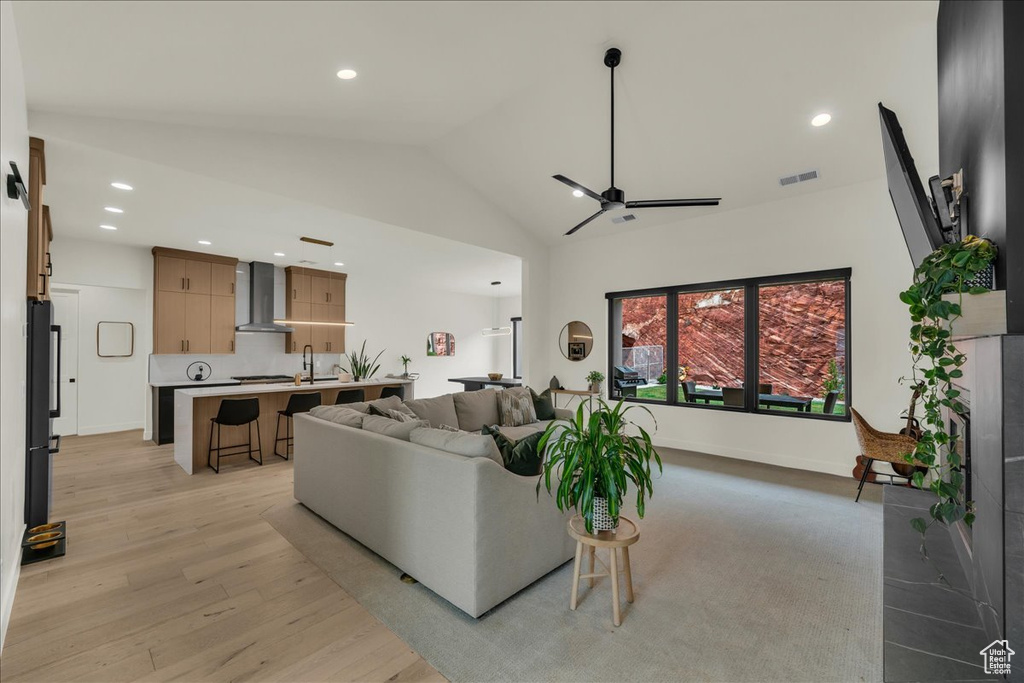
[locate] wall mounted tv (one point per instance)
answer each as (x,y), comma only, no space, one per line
(921,228)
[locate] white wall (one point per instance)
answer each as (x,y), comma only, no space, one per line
(13,247)
(851,227)
(111,391)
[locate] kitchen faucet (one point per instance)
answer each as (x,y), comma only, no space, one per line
(308,365)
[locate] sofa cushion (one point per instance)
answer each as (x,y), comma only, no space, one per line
(459,443)
(438,411)
(515,408)
(392,428)
(342,415)
(476,409)
(514,434)
(543,404)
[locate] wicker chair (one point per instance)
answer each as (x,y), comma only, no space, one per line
(878,445)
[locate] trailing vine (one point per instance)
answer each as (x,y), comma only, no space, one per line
(936,364)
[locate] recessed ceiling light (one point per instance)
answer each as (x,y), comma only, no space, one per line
(577,193)
(338,263)
(113,209)
(346,74)
(108,227)
(205,243)
(122,186)
(278,253)
(821,120)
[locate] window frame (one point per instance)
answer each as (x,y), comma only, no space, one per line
(751,338)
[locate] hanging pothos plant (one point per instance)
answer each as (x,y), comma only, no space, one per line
(936,364)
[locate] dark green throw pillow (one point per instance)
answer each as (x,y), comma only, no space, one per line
(520,457)
(543,405)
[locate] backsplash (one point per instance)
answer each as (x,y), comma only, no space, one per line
(256,353)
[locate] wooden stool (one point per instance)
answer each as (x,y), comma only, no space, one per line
(626,535)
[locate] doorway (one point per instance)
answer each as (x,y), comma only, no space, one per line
(65,314)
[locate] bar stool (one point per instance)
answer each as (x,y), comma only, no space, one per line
(398,391)
(297,403)
(350,396)
(235,412)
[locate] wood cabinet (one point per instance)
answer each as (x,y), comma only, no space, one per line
(222,279)
(194,302)
(40,230)
(317,297)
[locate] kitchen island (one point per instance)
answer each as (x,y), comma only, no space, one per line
(193,409)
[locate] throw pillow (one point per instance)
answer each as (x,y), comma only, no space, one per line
(543,405)
(520,457)
(515,409)
(391,403)
(392,428)
(391,414)
(339,415)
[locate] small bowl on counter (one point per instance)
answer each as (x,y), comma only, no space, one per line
(494,376)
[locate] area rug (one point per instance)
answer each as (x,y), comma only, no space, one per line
(743,572)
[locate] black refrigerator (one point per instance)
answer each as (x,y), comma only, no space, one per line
(43,394)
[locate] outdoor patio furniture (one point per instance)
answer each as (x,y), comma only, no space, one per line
(764,388)
(732,396)
(876,445)
(801,403)
(830,402)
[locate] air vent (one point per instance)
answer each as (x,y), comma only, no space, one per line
(623,219)
(798,178)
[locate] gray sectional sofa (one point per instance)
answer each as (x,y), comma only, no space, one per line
(437,504)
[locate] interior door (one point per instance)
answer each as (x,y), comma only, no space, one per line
(65,314)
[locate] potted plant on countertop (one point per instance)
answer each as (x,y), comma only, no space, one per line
(594,460)
(405,365)
(361,366)
(594,379)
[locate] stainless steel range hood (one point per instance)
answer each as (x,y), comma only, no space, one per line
(261,300)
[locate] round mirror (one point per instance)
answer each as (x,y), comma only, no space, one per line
(576,340)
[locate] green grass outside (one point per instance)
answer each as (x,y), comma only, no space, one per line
(658,394)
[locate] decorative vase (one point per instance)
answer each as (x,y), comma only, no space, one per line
(602,521)
(595,387)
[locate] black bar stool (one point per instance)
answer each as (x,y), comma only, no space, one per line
(235,412)
(350,396)
(398,391)
(297,403)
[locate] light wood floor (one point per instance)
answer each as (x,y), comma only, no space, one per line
(171,576)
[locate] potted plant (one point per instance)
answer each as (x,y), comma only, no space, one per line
(593,460)
(405,365)
(950,269)
(360,365)
(594,379)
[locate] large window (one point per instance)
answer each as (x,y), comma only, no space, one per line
(775,345)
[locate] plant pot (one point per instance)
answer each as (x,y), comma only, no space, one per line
(602,521)
(595,387)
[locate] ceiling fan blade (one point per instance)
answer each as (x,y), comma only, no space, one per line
(584,222)
(659,203)
(576,186)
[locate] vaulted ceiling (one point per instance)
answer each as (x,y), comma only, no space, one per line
(713,99)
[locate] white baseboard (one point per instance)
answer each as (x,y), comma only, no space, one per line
(837,469)
(107,429)
(9,588)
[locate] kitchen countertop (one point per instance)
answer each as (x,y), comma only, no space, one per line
(185,399)
(222,380)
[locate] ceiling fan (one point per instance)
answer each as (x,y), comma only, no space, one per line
(613,198)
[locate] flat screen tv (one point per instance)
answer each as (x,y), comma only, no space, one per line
(921,228)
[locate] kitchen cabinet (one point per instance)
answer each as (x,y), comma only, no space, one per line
(222,324)
(222,279)
(194,302)
(300,285)
(317,296)
(40,231)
